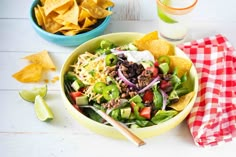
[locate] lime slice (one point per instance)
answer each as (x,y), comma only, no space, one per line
(162,14)
(29,95)
(164,17)
(42,110)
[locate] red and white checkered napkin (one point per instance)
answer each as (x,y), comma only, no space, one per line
(213,117)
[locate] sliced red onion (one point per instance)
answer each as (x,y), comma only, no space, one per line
(164,96)
(153,82)
(124,79)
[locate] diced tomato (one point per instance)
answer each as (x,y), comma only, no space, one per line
(164,84)
(154,71)
(156,64)
(75,94)
(148,96)
(146,112)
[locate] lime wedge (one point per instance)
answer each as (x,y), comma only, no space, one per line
(29,95)
(42,110)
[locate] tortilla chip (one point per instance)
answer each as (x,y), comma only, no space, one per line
(42,2)
(51,25)
(143,43)
(42,14)
(148,37)
(69,26)
(159,48)
(89,22)
(42,58)
(183,102)
(60,21)
(83,15)
(30,73)
(95,10)
(62,9)
(38,17)
(51,5)
(71,15)
(71,29)
(183,65)
(104,3)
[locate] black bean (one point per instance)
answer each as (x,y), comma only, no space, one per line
(134,80)
(131,74)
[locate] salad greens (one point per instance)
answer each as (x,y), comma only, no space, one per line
(157,98)
(132,90)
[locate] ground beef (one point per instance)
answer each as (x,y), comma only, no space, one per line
(112,71)
(144,79)
(127,92)
(112,104)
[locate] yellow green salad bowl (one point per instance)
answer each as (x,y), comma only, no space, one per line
(106,130)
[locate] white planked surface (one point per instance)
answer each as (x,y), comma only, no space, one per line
(21,134)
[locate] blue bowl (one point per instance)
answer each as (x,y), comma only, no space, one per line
(63,40)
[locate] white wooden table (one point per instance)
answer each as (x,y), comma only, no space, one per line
(22,134)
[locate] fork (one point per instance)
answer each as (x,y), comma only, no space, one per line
(117,125)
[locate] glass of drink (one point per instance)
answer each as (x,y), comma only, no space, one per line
(172,18)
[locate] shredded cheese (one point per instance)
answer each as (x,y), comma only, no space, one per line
(90,70)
